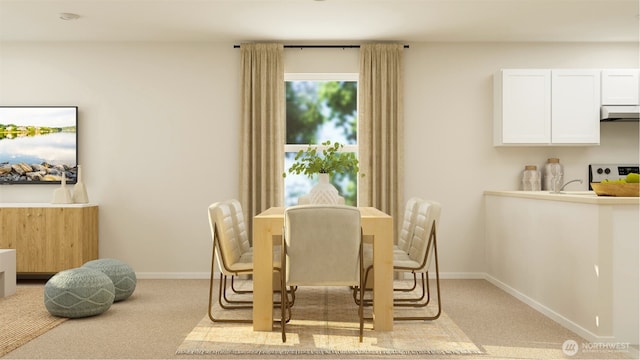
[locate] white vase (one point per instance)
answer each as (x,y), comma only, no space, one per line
(323,193)
(62,195)
(80,190)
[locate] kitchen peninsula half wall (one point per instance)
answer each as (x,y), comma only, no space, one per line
(573,257)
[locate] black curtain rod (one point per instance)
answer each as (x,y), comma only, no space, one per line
(320,46)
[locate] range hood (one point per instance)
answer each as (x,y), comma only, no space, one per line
(620,113)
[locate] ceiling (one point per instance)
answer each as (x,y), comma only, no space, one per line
(328,21)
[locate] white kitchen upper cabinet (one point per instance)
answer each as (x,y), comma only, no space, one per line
(575,107)
(541,107)
(621,87)
(522,107)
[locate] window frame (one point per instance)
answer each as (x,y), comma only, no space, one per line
(294,148)
(321,77)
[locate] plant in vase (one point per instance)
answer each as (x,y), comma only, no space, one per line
(330,160)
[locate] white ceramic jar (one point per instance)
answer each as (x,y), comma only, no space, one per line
(531,178)
(553,174)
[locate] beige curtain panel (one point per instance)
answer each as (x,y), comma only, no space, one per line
(262,129)
(381,128)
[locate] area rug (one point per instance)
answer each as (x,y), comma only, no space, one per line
(325,321)
(23,317)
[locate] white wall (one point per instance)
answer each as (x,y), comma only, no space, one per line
(159,134)
(158,137)
(449,152)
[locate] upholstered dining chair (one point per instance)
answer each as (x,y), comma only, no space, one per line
(233,254)
(416,250)
(406,235)
(404,239)
(321,246)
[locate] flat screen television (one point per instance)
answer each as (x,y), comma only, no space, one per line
(38,144)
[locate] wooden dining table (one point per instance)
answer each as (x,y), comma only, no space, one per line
(376,225)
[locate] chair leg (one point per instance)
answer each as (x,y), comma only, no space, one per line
(410,289)
(406,302)
(417,301)
(399,302)
(361,313)
(222,285)
(223,282)
(209,311)
(425,288)
(437,315)
(284,305)
(362,284)
(239,291)
(356,289)
(233,288)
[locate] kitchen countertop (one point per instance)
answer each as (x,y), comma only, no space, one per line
(585,197)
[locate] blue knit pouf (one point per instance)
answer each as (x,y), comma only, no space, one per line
(78,292)
(122,275)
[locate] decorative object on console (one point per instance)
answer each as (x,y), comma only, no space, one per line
(62,195)
(80,190)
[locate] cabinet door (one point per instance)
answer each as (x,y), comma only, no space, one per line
(621,87)
(523,107)
(28,239)
(50,239)
(575,106)
(68,238)
(9,227)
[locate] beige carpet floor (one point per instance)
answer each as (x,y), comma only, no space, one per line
(325,321)
(154,322)
(23,317)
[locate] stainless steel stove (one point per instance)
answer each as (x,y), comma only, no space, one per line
(599,172)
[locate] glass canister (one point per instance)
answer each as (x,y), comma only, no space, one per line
(531,178)
(553,174)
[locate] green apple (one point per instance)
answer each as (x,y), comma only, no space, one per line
(633,178)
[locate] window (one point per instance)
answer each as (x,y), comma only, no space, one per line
(320,107)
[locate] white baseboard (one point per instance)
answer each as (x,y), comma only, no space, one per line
(584,333)
(461,275)
(173,275)
(452,276)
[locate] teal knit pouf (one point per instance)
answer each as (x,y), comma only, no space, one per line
(120,273)
(78,292)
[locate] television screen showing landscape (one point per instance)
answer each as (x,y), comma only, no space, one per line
(38,144)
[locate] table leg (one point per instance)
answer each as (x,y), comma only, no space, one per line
(383,278)
(262,275)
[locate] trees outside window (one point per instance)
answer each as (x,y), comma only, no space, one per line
(320,107)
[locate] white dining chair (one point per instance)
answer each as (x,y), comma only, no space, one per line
(419,250)
(233,254)
(321,246)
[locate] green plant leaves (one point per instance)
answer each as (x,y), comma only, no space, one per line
(330,160)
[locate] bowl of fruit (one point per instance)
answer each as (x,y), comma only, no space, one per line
(628,186)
